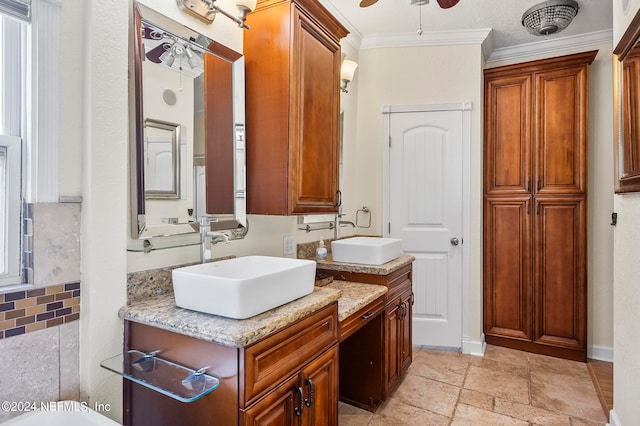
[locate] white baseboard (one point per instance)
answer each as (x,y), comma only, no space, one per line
(474,347)
(613,419)
(602,353)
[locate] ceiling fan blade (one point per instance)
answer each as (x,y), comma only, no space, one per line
(154,54)
(446,4)
(367,3)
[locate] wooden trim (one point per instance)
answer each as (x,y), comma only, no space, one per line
(624,180)
(601,373)
(629,38)
(316,12)
(537,348)
(567,61)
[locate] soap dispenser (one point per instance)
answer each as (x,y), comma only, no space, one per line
(321,251)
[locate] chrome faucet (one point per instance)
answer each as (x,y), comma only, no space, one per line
(218,237)
(338,223)
(205,233)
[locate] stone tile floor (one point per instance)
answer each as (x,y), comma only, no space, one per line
(506,387)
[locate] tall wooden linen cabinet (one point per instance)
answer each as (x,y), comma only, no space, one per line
(292,55)
(535,206)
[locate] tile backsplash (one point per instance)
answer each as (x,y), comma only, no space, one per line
(35,309)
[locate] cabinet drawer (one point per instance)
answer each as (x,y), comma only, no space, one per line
(274,358)
(360,318)
(402,285)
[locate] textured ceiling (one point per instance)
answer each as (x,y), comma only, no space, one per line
(502,16)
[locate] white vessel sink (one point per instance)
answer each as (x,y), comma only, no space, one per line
(366,250)
(243,287)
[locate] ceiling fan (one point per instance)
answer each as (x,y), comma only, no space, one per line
(445,4)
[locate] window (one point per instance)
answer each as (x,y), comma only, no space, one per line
(12,89)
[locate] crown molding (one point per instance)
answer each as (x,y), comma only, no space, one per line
(431,38)
(354,38)
(549,47)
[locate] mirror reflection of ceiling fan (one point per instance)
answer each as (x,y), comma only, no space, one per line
(445,4)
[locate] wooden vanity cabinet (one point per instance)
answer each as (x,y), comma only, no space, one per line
(397,318)
(308,398)
(362,357)
(292,56)
(288,378)
(398,331)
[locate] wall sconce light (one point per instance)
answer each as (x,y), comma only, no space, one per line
(347,71)
(206,10)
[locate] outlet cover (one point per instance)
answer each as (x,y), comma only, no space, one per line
(289,245)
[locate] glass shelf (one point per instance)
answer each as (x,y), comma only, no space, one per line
(173,380)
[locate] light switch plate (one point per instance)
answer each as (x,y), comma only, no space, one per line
(288,245)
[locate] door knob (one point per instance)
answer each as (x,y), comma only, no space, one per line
(454,241)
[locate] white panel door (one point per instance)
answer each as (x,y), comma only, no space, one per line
(425,195)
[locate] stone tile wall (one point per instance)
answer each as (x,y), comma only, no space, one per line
(39,331)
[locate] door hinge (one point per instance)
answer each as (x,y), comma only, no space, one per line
(389,228)
(389,141)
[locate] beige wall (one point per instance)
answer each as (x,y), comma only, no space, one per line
(600,206)
(626,303)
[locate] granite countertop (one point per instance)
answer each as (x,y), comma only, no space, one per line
(161,312)
(384,269)
(355,296)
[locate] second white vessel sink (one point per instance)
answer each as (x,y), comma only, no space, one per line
(366,250)
(242,287)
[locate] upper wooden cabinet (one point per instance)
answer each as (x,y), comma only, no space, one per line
(292,56)
(536,130)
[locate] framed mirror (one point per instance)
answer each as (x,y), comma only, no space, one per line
(162,168)
(187,144)
(627,109)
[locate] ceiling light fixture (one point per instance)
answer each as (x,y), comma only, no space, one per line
(549,17)
(168,57)
(193,58)
(206,10)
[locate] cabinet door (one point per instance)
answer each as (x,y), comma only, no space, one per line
(276,408)
(507,267)
(508,135)
(405,345)
(393,338)
(561,131)
(560,285)
(320,384)
(314,144)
